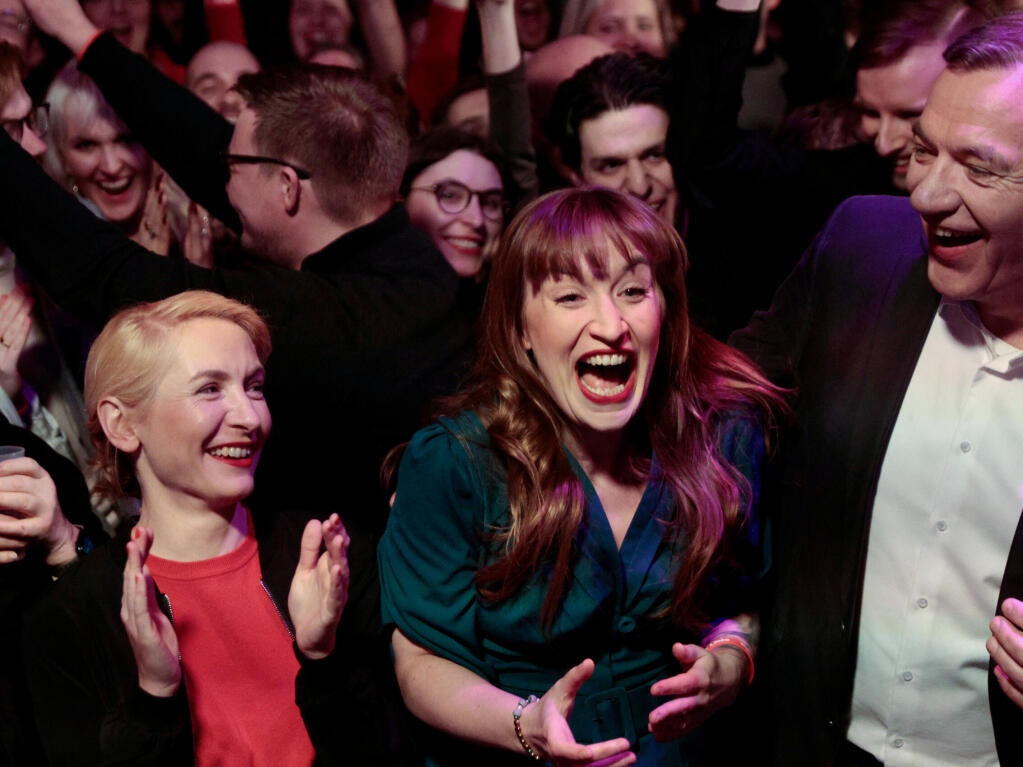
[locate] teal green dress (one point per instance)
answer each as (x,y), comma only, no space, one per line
(451,492)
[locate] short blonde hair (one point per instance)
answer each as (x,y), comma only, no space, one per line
(131,356)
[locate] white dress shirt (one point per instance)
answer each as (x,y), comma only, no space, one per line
(948,501)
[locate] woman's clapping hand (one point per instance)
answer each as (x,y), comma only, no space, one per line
(150,633)
(319,589)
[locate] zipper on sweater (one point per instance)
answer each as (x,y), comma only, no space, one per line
(170,617)
(277,607)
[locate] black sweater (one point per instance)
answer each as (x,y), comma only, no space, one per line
(84,682)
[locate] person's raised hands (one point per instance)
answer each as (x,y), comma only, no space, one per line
(154,231)
(500,39)
(198,244)
(63,19)
(29,511)
(15,323)
(545,727)
(319,589)
(150,633)
(709,681)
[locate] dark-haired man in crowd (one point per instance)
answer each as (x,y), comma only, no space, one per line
(896,633)
(897,59)
(610,121)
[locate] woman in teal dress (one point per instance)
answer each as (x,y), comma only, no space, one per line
(567,565)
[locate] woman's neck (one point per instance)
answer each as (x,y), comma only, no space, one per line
(605,454)
(193,535)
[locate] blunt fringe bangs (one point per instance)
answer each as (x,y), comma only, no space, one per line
(696,381)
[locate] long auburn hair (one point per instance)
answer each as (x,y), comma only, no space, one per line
(695,379)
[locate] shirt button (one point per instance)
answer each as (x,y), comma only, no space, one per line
(907,676)
(965,446)
(921,602)
(942,526)
(627,625)
(898,743)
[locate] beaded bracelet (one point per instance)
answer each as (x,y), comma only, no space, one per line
(731,640)
(516,715)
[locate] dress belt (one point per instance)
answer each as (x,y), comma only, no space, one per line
(612,713)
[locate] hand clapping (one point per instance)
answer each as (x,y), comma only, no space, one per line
(319,589)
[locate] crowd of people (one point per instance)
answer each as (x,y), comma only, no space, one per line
(641,376)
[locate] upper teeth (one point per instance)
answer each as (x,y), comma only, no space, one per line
(463,242)
(232,452)
(114,187)
(606,359)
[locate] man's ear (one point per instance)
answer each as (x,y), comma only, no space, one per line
(291,189)
(116,421)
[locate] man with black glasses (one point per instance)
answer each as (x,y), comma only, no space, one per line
(362,307)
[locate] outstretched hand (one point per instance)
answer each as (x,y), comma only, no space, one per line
(150,633)
(709,681)
(545,727)
(29,512)
(319,589)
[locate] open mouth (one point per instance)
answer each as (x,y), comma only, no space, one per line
(606,377)
(943,237)
(234,455)
(114,188)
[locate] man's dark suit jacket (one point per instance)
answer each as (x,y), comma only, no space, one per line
(846,330)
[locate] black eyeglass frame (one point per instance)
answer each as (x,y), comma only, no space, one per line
(37,119)
(478,193)
(229,159)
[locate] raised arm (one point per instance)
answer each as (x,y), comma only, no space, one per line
(87,265)
(183,134)
(385,38)
(434,70)
(510,123)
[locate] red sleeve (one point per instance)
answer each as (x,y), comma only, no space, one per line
(434,70)
(224,21)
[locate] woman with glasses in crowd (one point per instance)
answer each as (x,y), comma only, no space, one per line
(568,562)
(453,188)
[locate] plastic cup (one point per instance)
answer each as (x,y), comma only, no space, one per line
(7,452)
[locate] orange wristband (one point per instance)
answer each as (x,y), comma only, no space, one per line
(741,644)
